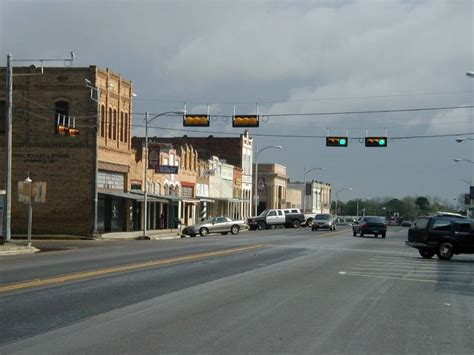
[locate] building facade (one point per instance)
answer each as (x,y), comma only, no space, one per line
(316,195)
(272,181)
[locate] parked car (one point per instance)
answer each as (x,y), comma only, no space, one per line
(324,220)
(443,235)
(221,224)
(370,225)
(406,224)
(276,217)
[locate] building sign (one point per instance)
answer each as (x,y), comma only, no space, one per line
(36,191)
(308,188)
(167,169)
(153,158)
(209,172)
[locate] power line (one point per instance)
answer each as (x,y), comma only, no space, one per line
(307,100)
(331,113)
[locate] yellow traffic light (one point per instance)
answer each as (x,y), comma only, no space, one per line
(62,130)
(196,121)
(73,132)
(246,121)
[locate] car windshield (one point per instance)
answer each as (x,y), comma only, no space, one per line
(374,220)
(322,216)
(263,213)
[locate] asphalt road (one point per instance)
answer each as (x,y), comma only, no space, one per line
(274,291)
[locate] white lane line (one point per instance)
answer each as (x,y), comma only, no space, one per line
(435,272)
(417,266)
(408,279)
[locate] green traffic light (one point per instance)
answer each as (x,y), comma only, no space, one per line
(382,142)
(342,141)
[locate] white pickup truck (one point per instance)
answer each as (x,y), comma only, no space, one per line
(290,217)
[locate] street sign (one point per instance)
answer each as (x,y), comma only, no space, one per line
(38,192)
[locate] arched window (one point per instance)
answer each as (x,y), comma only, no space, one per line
(102,121)
(110,123)
(61,109)
(126,127)
(114,126)
(121,126)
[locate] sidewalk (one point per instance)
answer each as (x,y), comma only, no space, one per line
(18,243)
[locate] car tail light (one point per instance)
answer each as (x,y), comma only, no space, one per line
(365,226)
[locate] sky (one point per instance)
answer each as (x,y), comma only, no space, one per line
(286,57)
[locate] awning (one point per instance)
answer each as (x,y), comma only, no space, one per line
(191,201)
(132,195)
(229,199)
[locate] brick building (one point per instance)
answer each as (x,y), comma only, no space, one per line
(42,102)
(237,152)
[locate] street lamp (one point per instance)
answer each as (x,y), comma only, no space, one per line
(457,160)
(304,186)
(462,139)
(466,181)
(257,152)
(148,120)
(470,74)
(340,190)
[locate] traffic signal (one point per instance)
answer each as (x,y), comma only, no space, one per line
(73,132)
(375,141)
(62,130)
(246,121)
(196,121)
(336,141)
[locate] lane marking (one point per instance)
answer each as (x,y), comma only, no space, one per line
(408,279)
(414,270)
(142,265)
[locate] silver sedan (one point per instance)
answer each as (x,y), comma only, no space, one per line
(221,224)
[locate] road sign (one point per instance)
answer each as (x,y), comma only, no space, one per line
(38,192)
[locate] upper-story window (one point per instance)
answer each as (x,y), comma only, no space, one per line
(121,126)
(114,125)
(126,127)
(102,121)
(61,110)
(110,123)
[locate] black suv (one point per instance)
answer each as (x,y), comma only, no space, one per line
(443,235)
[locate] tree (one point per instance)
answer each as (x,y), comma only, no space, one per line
(423,204)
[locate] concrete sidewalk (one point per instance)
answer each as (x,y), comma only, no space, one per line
(156,234)
(17,248)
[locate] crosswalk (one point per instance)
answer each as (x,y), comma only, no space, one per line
(411,268)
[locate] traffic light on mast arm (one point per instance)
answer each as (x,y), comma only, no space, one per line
(246,121)
(375,141)
(196,121)
(336,141)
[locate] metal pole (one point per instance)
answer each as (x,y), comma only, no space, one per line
(255,197)
(8,164)
(357,207)
(145,208)
(96,166)
(304,190)
(30,215)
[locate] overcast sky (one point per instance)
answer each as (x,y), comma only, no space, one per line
(289,57)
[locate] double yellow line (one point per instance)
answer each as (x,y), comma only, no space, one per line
(130,267)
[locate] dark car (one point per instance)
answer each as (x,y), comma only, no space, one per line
(443,235)
(370,225)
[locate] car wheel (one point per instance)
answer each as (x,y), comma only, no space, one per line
(203,232)
(224,233)
(261,225)
(334,227)
(445,251)
(314,229)
(296,223)
(309,222)
(426,253)
(235,230)
(192,235)
(376,235)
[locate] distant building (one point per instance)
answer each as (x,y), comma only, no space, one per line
(316,195)
(272,181)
